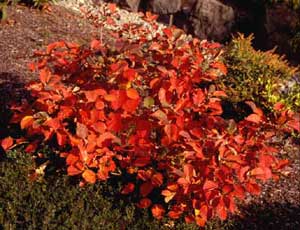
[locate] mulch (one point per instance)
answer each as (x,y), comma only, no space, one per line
(26,30)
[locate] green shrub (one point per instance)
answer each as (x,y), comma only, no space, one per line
(295,4)
(264,77)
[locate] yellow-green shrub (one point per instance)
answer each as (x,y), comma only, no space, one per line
(264,77)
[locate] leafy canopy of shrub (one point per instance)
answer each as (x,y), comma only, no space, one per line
(263,77)
(149,115)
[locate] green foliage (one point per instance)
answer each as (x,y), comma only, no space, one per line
(56,202)
(293,3)
(264,77)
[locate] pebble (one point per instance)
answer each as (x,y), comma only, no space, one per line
(133,25)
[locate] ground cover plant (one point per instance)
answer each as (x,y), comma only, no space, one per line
(150,114)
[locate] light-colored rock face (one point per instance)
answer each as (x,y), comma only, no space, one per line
(212,19)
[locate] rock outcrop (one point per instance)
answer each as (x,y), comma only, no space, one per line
(211,19)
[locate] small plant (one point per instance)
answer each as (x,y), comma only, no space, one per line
(264,77)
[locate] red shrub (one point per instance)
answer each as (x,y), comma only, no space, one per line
(150,111)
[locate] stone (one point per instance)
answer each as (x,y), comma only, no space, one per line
(133,4)
(212,20)
(165,6)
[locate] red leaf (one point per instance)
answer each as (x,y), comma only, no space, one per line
(158,211)
(242,172)
(168,32)
(7,142)
(150,17)
(239,191)
(72,159)
(255,109)
(172,132)
(72,170)
(146,188)
(61,138)
(175,214)
(144,203)
(253,188)
(220,66)
(128,188)
(221,210)
(96,45)
(115,122)
(157,179)
(209,185)
(107,136)
(253,118)
(279,106)
(81,130)
(129,74)
(142,161)
(294,124)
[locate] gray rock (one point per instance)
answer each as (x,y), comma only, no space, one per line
(212,19)
(133,4)
(165,6)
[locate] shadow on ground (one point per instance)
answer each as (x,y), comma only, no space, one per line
(12,89)
(274,216)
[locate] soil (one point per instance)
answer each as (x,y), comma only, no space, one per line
(278,207)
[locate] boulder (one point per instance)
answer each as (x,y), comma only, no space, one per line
(165,6)
(211,19)
(133,4)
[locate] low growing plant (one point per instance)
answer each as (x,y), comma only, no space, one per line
(148,114)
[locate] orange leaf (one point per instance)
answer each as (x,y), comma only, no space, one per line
(112,7)
(7,143)
(89,176)
(169,195)
(158,211)
(253,118)
(45,75)
(26,122)
(132,94)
